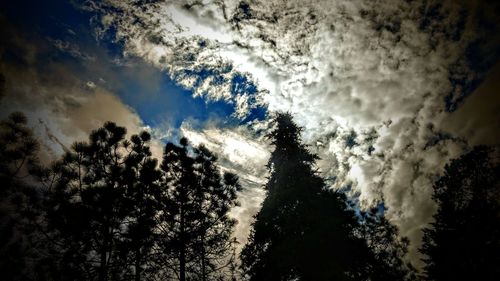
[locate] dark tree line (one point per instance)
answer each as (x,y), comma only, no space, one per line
(463,242)
(107,210)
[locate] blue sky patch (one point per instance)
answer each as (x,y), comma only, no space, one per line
(157,99)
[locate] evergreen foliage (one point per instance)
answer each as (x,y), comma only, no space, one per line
(463,242)
(107,211)
(195,222)
(303,231)
(388,247)
(19,200)
(87,208)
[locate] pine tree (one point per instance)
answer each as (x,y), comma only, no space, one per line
(100,211)
(303,230)
(106,212)
(194,221)
(20,241)
(141,178)
(179,211)
(388,247)
(216,196)
(463,242)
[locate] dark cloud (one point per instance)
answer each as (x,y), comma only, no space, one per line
(477,120)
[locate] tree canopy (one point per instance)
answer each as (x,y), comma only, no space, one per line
(303,230)
(194,222)
(107,210)
(463,242)
(19,199)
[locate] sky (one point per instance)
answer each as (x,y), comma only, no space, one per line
(387,91)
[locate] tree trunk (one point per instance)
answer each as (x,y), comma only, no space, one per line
(203,266)
(138,265)
(102,268)
(182,256)
(106,248)
(182,260)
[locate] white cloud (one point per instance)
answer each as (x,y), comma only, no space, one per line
(239,152)
(379,69)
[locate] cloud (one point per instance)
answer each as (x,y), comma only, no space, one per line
(169,36)
(478,118)
(71,49)
(240,152)
(61,106)
(373,83)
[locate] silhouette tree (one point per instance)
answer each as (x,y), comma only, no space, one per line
(100,211)
(388,247)
(19,200)
(463,242)
(195,203)
(179,216)
(141,179)
(104,211)
(216,196)
(303,230)
(18,149)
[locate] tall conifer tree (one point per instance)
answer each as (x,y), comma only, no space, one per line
(179,215)
(141,179)
(303,230)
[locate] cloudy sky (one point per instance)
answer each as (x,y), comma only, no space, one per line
(387,91)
